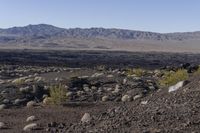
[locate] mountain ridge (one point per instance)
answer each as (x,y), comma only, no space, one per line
(50,30)
(49,25)
(43,36)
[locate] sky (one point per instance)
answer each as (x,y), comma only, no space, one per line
(146,15)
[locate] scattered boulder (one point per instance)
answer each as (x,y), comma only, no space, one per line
(86,89)
(28,80)
(6,101)
(38,79)
(20,101)
(3,125)
(137,97)
(31,104)
(125,81)
(176,86)
(126,98)
(44,96)
(2,106)
(86,118)
(79,93)
(69,94)
(47,100)
(144,102)
(116,90)
(97,75)
(105,98)
(30,127)
(24,89)
(109,89)
(31,118)
(93,88)
(110,76)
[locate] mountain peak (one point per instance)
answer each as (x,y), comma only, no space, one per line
(33,30)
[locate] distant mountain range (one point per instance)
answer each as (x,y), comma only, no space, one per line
(45,36)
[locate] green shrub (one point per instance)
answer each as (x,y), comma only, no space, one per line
(136,71)
(57,94)
(19,81)
(171,78)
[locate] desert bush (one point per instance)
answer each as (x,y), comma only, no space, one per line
(57,94)
(136,71)
(19,81)
(171,78)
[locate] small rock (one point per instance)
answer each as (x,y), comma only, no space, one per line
(6,101)
(137,97)
(31,119)
(44,96)
(38,79)
(4,92)
(2,125)
(86,118)
(19,101)
(116,90)
(25,89)
(117,86)
(31,104)
(69,94)
(105,98)
(46,87)
(97,74)
(28,80)
(79,93)
(176,86)
(126,98)
(47,100)
(2,106)
(144,102)
(94,88)
(124,81)
(109,89)
(110,76)
(152,87)
(86,89)
(29,127)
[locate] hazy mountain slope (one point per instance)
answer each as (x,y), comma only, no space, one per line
(44,36)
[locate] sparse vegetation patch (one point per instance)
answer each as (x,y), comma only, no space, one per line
(171,78)
(58,94)
(136,71)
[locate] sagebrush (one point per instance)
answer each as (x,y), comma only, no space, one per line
(136,71)
(58,94)
(171,78)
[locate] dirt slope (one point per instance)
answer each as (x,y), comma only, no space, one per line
(174,112)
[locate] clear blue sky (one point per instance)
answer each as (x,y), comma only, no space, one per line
(148,15)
